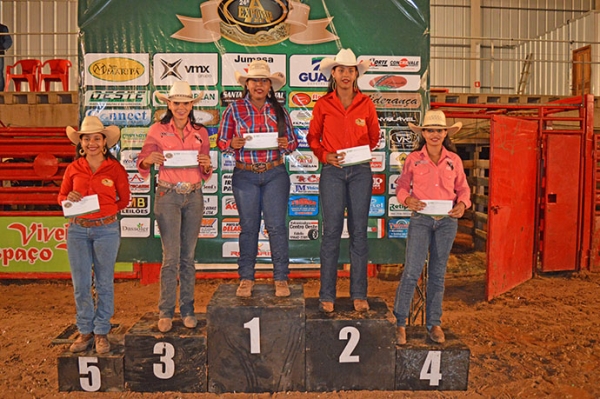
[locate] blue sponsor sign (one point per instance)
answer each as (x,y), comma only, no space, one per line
(377,206)
(398,228)
(303,205)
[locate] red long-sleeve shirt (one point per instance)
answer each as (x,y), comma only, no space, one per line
(110,182)
(334,127)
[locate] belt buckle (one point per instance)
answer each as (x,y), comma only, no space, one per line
(183,188)
(259,167)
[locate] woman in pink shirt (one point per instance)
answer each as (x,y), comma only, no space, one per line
(179,146)
(433,171)
(344,122)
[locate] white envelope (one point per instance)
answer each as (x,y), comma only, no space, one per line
(88,204)
(260,141)
(356,155)
(437,207)
(181,159)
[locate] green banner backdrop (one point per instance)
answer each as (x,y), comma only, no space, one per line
(128,49)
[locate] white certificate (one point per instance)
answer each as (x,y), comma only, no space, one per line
(88,204)
(181,159)
(356,155)
(260,141)
(437,207)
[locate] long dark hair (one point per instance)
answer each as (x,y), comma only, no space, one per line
(169,115)
(447,143)
(279,111)
(107,153)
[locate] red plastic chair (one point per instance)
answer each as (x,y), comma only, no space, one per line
(59,72)
(29,73)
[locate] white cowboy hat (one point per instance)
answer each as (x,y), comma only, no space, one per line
(93,124)
(435,119)
(180,91)
(260,69)
(345,57)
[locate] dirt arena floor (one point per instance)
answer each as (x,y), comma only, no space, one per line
(540,340)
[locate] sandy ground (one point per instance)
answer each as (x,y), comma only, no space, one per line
(538,340)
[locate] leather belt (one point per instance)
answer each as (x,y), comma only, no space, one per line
(94,222)
(181,187)
(259,167)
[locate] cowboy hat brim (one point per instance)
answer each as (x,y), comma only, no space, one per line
(277,79)
(163,98)
(327,65)
(112,134)
(451,129)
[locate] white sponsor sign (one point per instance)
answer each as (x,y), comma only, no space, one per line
(389,82)
(137,184)
(392,184)
(378,162)
(209,228)
(211,205)
(229,208)
(303,230)
(198,69)
(196,93)
(135,227)
(395,208)
(238,62)
(122,117)
(231,249)
(214,159)
(230,228)
(397,160)
(116,98)
(211,186)
(129,158)
(133,137)
(382,140)
(301,118)
(103,69)
(227,162)
(226,183)
(303,161)
(397,63)
(304,71)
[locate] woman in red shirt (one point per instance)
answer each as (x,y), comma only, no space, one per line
(343,131)
(93,239)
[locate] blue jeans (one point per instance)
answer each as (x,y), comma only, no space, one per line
(425,235)
(93,250)
(267,193)
(179,217)
(340,188)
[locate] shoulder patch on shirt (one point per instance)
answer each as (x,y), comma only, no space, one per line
(360,122)
(108,182)
(166,134)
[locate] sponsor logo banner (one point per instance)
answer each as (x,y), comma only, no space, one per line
(209,98)
(238,62)
(135,227)
(381,63)
(230,228)
(231,249)
(205,116)
(390,82)
(211,205)
(304,99)
(397,160)
(229,96)
(211,186)
(397,118)
(137,184)
(116,98)
(381,142)
(378,161)
(139,205)
(393,100)
(377,206)
(304,71)
(305,178)
(214,159)
(395,208)
(301,137)
(398,228)
(402,139)
(209,228)
(198,69)
(229,206)
(122,117)
(376,228)
(301,118)
(128,159)
(227,183)
(133,137)
(304,188)
(116,69)
(392,184)
(227,162)
(303,161)
(378,184)
(303,230)
(306,205)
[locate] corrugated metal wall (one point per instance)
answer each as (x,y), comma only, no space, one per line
(493,57)
(42,29)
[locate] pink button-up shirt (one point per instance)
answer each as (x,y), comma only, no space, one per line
(444,181)
(164,137)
